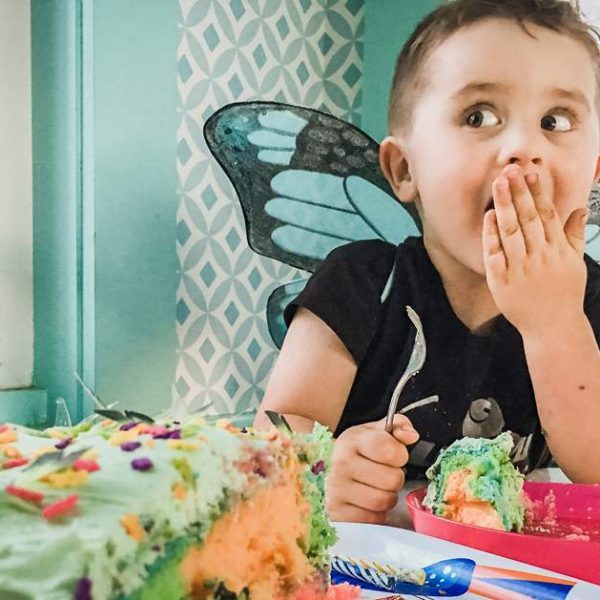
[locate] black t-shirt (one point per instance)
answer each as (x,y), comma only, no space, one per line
(475,385)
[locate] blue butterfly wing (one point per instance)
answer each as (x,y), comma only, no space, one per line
(307,183)
(280,297)
(318,212)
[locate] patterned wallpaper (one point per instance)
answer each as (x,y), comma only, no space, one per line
(306,52)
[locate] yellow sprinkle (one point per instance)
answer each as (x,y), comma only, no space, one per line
(222,423)
(43,450)
(120,437)
(65,479)
(8,437)
(91,454)
(132,526)
(150,443)
(182,445)
(179,491)
(57,434)
(11,452)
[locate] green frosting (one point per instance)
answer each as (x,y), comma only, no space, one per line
(317,449)
(164,579)
(494,478)
(45,559)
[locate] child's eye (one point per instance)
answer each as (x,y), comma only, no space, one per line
(557,122)
(482,117)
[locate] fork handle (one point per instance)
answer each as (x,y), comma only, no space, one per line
(389,421)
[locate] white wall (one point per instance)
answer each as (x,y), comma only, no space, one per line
(591,9)
(16,294)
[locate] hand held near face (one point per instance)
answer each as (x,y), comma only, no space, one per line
(534,263)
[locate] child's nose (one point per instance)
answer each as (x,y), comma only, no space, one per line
(521,146)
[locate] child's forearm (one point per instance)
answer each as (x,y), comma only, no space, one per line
(564,364)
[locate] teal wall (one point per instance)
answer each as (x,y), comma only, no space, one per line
(135,122)
(389,23)
(56,201)
(105,198)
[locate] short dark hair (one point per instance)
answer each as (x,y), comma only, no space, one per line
(450,17)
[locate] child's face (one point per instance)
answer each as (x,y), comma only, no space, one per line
(495,95)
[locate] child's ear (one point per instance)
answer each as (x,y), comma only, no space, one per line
(396,169)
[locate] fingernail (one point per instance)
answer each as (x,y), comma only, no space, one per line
(502,183)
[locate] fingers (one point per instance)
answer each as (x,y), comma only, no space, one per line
(355,514)
(509,228)
(545,208)
(403,431)
(526,210)
(493,255)
(381,447)
(375,444)
(366,472)
(375,475)
(402,428)
(351,500)
(370,498)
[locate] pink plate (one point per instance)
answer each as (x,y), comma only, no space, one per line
(563,533)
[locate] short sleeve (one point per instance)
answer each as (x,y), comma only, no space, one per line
(345,292)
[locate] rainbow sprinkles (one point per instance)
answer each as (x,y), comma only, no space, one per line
(139,510)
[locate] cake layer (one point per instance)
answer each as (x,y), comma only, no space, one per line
(138,511)
(473,481)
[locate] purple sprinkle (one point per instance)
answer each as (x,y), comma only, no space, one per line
(63,443)
(318,468)
(128,426)
(243,430)
(83,589)
(175,434)
(260,472)
(141,464)
(130,446)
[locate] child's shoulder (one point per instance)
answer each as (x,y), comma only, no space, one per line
(375,249)
(374,260)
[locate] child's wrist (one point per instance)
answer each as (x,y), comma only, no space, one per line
(560,331)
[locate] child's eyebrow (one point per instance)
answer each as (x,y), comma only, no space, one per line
(479,86)
(573,95)
(475,87)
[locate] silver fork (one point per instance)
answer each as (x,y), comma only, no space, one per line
(415,364)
